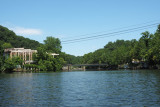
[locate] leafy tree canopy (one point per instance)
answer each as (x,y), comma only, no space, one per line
(52,45)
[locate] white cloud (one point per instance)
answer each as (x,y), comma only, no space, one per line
(21,30)
(26,31)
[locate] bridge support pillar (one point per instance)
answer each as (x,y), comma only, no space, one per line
(69,67)
(84,68)
(99,68)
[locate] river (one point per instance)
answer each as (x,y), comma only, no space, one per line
(135,88)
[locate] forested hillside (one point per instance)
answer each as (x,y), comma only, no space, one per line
(71,59)
(146,50)
(43,60)
(9,37)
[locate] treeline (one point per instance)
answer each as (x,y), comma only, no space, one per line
(43,60)
(71,59)
(9,37)
(145,50)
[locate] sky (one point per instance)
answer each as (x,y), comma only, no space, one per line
(73,19)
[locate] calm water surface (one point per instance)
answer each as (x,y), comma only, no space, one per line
(82,89)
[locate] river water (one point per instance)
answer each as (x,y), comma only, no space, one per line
(125,88)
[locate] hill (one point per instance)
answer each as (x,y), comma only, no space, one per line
(8,36)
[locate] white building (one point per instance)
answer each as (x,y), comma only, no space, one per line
(25,54)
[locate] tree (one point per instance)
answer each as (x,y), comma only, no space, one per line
(11,63)
(8,36)
(44,60)
(7,45)
(1,57)
(154,50)
(158,29)
(52,45)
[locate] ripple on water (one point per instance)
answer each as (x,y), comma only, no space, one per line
(98,88)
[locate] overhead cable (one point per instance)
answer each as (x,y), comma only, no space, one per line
(109,34)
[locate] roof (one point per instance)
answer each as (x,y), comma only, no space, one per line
(19,50)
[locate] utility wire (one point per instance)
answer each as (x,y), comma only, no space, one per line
(149,22)
(105,36)
(109,34)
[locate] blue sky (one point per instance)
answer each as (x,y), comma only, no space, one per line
(71,19)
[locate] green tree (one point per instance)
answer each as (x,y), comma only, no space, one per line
(52,45)
(7,45)
(11,63)
(154,50)
(8,36)
(44,60)
(1,57)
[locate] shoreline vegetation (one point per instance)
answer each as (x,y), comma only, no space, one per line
(130,54)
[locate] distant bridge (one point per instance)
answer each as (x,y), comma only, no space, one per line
(83,66)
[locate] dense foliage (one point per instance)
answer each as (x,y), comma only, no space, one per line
(8,36)
(8,39)
(146,50)
(43,60)
(8,64)
(71,59)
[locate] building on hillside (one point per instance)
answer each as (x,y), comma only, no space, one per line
(25,54)
(54,54)
(135,61)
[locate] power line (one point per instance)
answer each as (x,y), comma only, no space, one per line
(109,34)
(148,22)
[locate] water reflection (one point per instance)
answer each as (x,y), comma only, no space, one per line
(93,88)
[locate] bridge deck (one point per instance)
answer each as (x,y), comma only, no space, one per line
(87,65)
